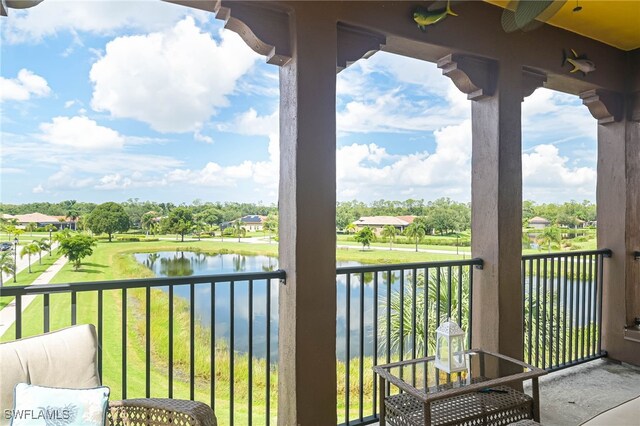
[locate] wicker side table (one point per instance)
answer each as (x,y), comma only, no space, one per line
(159,411)
(468,409)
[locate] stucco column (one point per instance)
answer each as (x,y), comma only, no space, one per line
(618,204)
(496,215)
(307,339)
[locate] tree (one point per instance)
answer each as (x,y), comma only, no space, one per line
(238,229)
(7,266)
(147,220)
(50,228)
(415,231)
(390,232)
(211,216)
(549,235)
(179,221)
(271,225)
(43,245)
(31,226)
(77,247)
(349,228)
(28,250)
(73,215)
(62,235)
(364,237)
(108,218)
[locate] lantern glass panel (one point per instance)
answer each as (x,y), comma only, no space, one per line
(457,352)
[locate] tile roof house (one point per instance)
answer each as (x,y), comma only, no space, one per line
(539,222)
(379,222)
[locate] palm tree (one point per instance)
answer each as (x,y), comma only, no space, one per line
(416,231)
(350,228)
(549,235)
(73,214)
(444,299)
(7,266)
(238,229)
(43,245)
(31,226)
(50,228)
(390,232)
(29,249)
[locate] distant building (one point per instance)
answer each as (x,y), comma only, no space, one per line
(39,219)
(377,223)
(251,223)
(539,222)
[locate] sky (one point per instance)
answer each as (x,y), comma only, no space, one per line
(106,101)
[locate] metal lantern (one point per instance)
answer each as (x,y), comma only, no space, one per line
(450,356)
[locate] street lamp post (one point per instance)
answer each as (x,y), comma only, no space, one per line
(15,258)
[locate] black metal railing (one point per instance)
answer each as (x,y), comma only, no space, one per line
(155,339)
(389,313)
(562,295)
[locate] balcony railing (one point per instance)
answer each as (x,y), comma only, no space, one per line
(187,338)
(390,313)
(562,295)
(214,338)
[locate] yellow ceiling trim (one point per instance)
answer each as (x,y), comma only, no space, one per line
(614,22)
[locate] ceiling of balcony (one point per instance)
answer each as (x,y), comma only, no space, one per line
(614,22)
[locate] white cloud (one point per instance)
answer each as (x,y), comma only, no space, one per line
(547,176)
(198,136)
(53,17)
(173,80)
(394,112)
(37,189)
(113,181)
(250,123)
(81,133)
(370,171)
(23,87)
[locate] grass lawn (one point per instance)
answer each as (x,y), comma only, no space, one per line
(26,278)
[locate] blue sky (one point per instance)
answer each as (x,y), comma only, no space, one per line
(106,101)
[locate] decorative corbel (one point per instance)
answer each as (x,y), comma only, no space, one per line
(604,106)
(532,79)
(265,29)
(473,75)
(355,43)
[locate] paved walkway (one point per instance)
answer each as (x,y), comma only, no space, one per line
(23,262)
(8,313)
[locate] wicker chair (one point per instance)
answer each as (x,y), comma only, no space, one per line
(48,359)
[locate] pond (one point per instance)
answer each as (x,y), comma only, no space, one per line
(181,264)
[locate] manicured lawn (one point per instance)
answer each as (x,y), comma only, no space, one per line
(26,278)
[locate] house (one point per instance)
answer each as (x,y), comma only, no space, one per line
(250,223)
(539,222)
(377,223)
(39,219)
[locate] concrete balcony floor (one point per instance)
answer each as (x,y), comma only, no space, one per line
(575,395)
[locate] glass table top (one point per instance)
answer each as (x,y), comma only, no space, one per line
(422,374)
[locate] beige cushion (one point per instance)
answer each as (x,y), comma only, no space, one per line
(65,358)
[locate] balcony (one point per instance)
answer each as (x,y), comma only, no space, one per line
(310,42)
(176,345)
